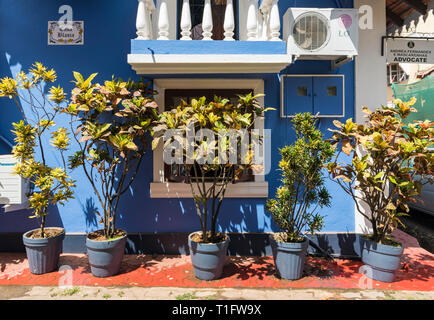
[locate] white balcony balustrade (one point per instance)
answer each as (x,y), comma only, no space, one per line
(261,23)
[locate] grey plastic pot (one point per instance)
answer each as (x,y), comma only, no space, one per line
(43,254)
(105,257)
(380,261)
(289,258)
(208,259)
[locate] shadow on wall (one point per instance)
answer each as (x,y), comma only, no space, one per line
(340,244)
(89,208)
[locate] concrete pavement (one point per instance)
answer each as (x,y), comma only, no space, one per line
(176,293)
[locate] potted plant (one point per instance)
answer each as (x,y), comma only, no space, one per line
(301,193)
(111,121)
(205,127)
(386,155)
(51,185)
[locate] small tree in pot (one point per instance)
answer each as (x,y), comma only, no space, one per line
(112,120)
(302,192)
(51,185)
(213,127)
(387,154)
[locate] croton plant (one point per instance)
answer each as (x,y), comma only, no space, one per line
(201,156)
(391,160)
(111,122)
(51,185)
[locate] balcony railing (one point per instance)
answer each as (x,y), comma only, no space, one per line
(260,23)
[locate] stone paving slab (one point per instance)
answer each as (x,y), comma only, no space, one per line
(175,293)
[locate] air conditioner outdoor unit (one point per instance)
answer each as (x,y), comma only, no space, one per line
(13,188)
(321,34)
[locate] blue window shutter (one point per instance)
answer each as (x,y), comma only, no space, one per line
(297,95)
(328,96)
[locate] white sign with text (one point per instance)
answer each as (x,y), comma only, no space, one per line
(68,33)
(419,51)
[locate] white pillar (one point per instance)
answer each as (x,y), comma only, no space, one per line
(370,75)
(252,21)
(163,21)
(275,21)
(207,21)
(229,24)
(185,24)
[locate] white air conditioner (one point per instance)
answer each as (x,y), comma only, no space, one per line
(12,187)
(321,34)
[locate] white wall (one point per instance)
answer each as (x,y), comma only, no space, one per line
(371,76)
(370,73)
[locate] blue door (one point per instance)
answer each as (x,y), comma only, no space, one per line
(328,95)
(297,95)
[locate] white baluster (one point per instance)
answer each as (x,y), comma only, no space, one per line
(148,31)
(275,21)
(143,20)
(264,23)
(163,21)
(185,21)
(252,21)
(207,21)
(229,24)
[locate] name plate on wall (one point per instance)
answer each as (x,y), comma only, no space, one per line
(410,51)
(60,33)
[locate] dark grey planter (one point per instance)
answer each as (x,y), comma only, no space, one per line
(381,261)
(289,258)
(105,257)
(208,259)
(43,254)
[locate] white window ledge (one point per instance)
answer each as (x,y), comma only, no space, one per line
(183,190)
(208,63)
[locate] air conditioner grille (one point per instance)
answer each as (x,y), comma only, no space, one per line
(311,31)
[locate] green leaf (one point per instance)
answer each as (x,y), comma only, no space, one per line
(393,180)
(155,142)
(78,77)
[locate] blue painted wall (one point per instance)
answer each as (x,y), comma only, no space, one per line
(109,27)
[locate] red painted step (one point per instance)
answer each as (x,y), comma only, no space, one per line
(417,272)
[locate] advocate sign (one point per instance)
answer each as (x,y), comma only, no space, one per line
(410,51)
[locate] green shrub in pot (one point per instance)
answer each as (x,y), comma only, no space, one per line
(301,194)
(50,185)
(110,122)
(207,176)
(386,155)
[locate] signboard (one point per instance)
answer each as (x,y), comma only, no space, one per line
(70,33)
(418,51)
